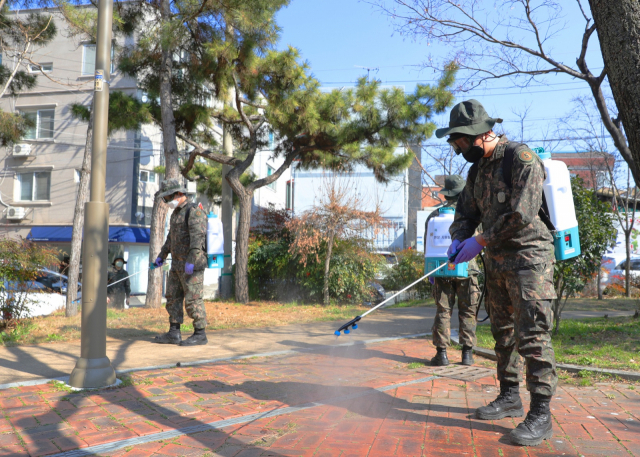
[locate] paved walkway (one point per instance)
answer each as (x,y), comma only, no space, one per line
(56,360)
(347,401)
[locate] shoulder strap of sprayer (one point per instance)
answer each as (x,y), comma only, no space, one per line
(507,174)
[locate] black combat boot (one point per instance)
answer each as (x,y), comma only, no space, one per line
(197,339)
(508,404)
(173,336)
(467,355)
(537,426)
(441,359)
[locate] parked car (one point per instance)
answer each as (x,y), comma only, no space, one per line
(391,260)
(54,281)
(38,299)
(614,269)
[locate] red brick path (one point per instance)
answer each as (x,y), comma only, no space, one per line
(429,419)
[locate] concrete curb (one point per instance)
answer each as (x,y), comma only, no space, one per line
(628,375)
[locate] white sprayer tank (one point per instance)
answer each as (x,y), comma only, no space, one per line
(562,212)
(215,242)
(438,242)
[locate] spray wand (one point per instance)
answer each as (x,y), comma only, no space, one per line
(152,266)
(353,323)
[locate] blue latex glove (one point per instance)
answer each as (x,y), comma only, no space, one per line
(159,262)
(432,280)
(188,268)
(469,248)
(453,248)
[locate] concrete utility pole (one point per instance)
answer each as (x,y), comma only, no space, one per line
(226,286)
(93,368)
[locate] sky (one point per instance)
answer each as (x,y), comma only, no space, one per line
(339,37)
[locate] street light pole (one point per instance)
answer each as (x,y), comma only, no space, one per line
(93,368)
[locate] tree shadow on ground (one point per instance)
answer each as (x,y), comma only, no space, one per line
(357,351)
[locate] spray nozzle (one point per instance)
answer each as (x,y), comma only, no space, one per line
(345,327)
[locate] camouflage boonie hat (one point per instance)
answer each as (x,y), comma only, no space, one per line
(468,118)
(170,187)
(453,185)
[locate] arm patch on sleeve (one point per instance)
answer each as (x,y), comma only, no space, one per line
(525,156)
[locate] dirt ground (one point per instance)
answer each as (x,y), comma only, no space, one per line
(140,322)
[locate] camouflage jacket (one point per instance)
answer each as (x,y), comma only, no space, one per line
(473,265)
(516,236)
(187,238)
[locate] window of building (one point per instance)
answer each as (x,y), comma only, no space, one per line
(35,186)
(43,120)
(271,139)
(89,59)
(270,171)
(76,176)
(147,176)
(289,204)
(36,68)
(145,213)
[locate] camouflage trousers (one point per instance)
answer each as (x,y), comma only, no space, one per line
(445,292)
(521,320)
(182,287)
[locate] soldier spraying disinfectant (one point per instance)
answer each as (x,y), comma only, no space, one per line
(186,244)
(446,289)
(504,193)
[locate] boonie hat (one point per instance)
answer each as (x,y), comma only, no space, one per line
(453,185)
(468,118)
(170,187)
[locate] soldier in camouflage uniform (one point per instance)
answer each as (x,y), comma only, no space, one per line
(445,291)
(186,244)
(519,261)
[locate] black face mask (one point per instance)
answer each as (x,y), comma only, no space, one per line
(474,154)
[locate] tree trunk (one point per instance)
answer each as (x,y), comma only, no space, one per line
(156,240)
(627,278)
(619,36)
(172,164)
(327,264)
(242,245)
(78,223)
(600,297)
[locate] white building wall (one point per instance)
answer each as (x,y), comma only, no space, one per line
(392,197)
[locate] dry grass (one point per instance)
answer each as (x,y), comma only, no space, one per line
(142,322)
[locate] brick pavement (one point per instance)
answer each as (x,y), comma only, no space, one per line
(432,418)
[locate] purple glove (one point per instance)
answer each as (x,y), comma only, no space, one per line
(188,268)
(453,248)
(469,248)
(432,280)
(159,262)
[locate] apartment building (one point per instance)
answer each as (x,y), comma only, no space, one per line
(39,176)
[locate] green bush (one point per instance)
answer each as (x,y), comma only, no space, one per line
(274,274)
(20,262)
(410,267)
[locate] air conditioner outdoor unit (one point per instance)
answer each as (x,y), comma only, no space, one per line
(16,213)
(21,149)
(191,187)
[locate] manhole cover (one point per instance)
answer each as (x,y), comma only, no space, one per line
(461,372)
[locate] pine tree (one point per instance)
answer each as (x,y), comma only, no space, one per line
(171,61)
(337,130)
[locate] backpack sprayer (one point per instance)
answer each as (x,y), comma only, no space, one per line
(559,208)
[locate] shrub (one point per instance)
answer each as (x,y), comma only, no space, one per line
(20,263)
(409,268)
